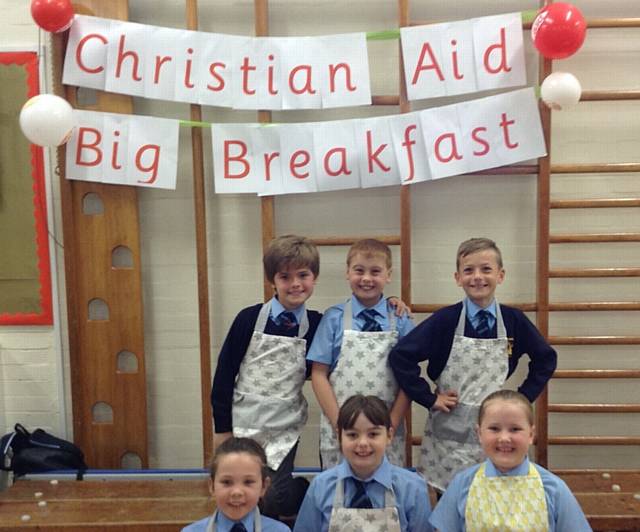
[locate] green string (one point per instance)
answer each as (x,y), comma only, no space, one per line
(529,16)
(385,35)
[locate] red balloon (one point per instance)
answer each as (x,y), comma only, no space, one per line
(558,30)
(52,15)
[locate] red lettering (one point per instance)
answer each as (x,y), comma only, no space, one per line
(268,157)
(81,44)
(502,46)
(93,147)
(114,154)
(218,77)
(454,148)
(307,84)
(407,144)
(343,169)
(333,70)
(122,55)
(159,62)
(426,49)
(294,164)
(237,158)
(187,71)
(373,157)
(454,61)
(246,68)
(271,86)
(484,143)
(153,167)
(504,124)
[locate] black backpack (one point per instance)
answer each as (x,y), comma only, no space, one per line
(38,452)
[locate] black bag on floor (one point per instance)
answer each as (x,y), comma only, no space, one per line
(38,452)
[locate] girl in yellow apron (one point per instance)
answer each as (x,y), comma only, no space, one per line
(506,492)
(365,492)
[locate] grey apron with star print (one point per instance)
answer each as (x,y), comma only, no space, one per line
(362,368)
(257,522)
(476,367)
(363,519)
(268,403)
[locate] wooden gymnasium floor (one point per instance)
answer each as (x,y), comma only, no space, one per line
(611,501)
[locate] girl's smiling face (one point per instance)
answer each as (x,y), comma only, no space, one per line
(364,445)
(238,484)
(505,433)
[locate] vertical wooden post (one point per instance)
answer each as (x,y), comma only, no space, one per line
(96,344)
(200,213)
(542,314)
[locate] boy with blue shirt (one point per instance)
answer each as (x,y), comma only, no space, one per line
(257,387)
(365,492)
(350,348)
(472,348)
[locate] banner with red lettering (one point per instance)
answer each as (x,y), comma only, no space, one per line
(402,149)
(461,57)
(123,149)
(216,69)
(288,72)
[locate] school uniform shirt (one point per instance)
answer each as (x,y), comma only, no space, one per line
(328,338)
(412,500)
(235,347)
(563,511)
(432,340)
(224,524)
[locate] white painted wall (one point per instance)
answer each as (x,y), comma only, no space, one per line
(443,213)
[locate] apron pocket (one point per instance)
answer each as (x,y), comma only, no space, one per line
(253,411)
(457,425)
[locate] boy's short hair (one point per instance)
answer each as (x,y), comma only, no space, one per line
(473,245)
(373,408)
(235,445)
(507,395)
(290,251)
(370,247)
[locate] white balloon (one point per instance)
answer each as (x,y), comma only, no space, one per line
(560,90)
(47,120)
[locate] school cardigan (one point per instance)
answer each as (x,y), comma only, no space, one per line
(432,340)
(233,352)
(563,511)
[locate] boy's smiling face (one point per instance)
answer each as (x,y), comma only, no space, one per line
(293,286)
(479,274)
(368,275)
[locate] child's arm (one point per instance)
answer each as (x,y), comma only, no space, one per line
(399,409)
(324,392)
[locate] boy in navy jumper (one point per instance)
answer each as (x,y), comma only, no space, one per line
(472,348)
(257,387)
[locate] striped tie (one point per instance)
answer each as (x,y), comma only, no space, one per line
(482,327)
(360,499)
(370,323)
(287,320)
(238,527)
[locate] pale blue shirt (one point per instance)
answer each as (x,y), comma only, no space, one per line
(409,489)
(327,341)
(224,524)
(277,309)
(473,309)
(564,512)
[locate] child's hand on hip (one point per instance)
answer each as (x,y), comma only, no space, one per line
(446,401)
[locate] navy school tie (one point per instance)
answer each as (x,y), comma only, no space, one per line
(360,499)
(238,527)
(482,327)
(370,323)
(287,320)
